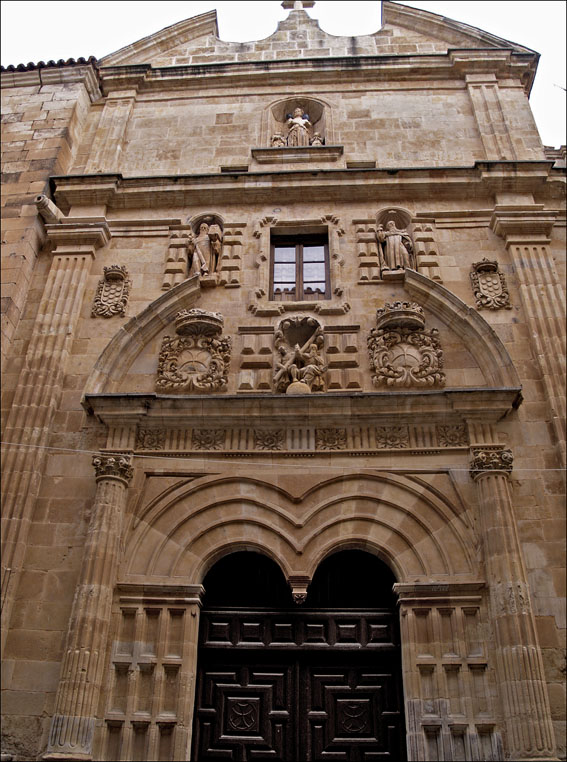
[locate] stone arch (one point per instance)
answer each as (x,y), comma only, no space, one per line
(211,218)
(420,534)
(130,340)
(477,335)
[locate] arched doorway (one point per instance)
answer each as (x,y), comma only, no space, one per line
(286,682)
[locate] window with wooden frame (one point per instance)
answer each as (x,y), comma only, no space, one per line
(299,269)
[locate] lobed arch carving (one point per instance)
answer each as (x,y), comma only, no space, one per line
(419,533)
(479,337)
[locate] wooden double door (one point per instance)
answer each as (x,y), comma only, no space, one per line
(298,686)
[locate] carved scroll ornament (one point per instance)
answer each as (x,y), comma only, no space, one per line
(113,467)
(487,460)
(402,352)
(489,286)
(112,292)
(197,359)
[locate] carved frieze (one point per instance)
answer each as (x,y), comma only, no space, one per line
(402,353)
(198,358)
(486,460)
(452,436)
(112,292)
(299,363)
(489,286)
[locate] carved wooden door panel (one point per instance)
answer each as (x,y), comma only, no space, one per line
(298,686)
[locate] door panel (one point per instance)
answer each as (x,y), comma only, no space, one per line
(292,704)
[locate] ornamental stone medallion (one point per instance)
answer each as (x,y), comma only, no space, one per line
(489,286)
(402,352)
(112,292)
(198,358)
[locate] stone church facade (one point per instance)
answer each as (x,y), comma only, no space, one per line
(283,399)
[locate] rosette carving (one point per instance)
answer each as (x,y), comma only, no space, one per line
(402,352)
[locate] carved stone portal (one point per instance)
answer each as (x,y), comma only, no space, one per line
(299,364)
(402,352)
(489,286)
(112,292)
(198,358)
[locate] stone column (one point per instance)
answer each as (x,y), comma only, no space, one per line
(521,679)
(526,228)
(72,726)
(39,390)
(487,108)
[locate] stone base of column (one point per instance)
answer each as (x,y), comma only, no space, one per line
(71,757)
(70,738)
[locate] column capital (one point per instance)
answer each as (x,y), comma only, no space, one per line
(113,466)
(490,459)
(78,236)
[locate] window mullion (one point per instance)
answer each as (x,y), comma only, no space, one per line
(299,271)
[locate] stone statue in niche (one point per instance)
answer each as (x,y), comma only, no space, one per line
(278,140)
(299,364)
(205,250)
(395,248)
(299,125)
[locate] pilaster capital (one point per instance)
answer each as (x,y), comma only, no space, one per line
(113,466)
(490,459)
(522,223)
(79,236)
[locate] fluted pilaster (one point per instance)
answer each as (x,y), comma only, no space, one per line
(39,390)
(72,726)
(521,677)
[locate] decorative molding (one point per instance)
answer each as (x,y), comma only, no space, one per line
(282,155)
(488,460)
(401,352)
(199,359)
(489,286)
(298,440)
(112,292)
(109,466)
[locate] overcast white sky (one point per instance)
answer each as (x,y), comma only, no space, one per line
(44,30)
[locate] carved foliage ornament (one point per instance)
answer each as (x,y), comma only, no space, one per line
(487,460)
(489,286)
(198,359)
(402,353)
(113,466)
(112,292)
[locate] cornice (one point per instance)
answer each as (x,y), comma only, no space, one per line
(489,404)
(454,64)
(63,73)
(477,181)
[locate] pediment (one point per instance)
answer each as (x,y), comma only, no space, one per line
(436,28)
(405,30)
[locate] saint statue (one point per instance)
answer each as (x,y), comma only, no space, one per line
(396,247)
(208,248)
(215,238)
(298,124)
(203,248)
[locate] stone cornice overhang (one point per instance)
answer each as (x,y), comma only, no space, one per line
(487,405)
(482,179)
(504,63)
(64,73)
